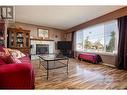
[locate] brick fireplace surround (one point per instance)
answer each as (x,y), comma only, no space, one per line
(42,46)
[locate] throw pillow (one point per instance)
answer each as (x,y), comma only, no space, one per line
(16,53)
(6,50)
(5,56)
(15,60)
(10,55)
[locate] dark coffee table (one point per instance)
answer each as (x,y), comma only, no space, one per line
(52,61)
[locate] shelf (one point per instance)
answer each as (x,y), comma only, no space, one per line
(41,39)
(20,47)
(19,42)
(19,37)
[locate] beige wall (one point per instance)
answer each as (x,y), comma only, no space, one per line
(54,34)
(33,28)
(68,36)
(108,59)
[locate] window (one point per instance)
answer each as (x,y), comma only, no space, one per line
(99,38)
(79,40)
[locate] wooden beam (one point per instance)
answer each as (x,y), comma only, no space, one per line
(110,16)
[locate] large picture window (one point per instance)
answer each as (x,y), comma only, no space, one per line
(99,38)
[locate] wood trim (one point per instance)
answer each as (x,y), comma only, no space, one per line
(40,39)
(39,26)
(18,29)
(110,16)
(20,48)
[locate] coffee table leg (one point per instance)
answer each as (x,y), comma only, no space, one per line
(39,62)
(47,70)
(67,67)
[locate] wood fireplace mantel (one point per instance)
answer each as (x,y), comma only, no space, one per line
(39,39)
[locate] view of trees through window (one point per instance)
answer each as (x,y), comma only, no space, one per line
(99,38)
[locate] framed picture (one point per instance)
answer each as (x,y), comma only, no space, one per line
(42,33)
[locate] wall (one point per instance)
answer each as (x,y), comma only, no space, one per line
(6,26)
(33,28)
(68,36)
(108,59)
(54,34)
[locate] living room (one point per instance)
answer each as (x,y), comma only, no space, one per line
(75,50)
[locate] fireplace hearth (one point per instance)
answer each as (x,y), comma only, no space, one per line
(42,48)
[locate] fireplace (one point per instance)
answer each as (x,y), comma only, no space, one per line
(42,48)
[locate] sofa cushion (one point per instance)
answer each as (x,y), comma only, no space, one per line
(7,59)
(25,59)
(17,76)
(2,62)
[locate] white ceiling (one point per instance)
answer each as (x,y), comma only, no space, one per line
(61,17)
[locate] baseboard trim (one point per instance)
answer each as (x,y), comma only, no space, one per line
(110,65)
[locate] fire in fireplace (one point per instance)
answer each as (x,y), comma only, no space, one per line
(42,48)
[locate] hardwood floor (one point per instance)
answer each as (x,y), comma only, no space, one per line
(82,75)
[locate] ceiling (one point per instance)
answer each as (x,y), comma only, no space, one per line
(61,17)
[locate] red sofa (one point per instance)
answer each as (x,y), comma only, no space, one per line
(17,76)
